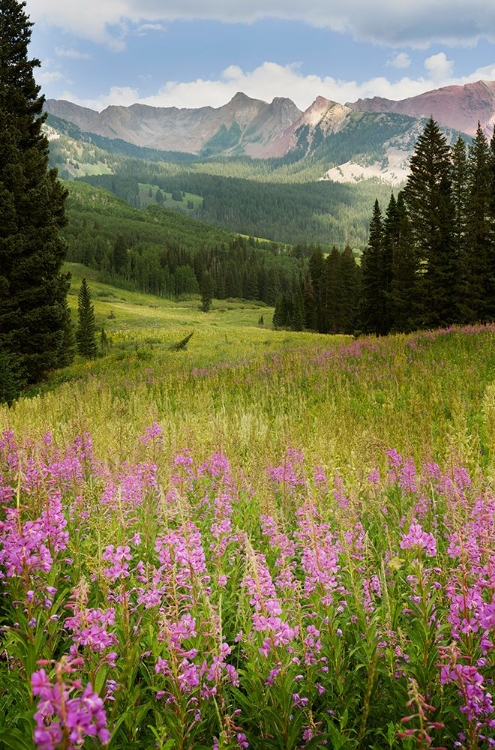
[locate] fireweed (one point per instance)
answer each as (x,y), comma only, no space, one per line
(165,602)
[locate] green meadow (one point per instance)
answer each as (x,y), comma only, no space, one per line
(241,384)
(263,539)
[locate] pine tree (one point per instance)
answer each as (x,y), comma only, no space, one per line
(405,305)
(389,251)
(119,254)
(86,329)
(206,291)
(428,195)
(9,386)
(309,303)
(479,229)
(316,270)
(459,194)
(298,312)
(372,296)
(334,293)
(490,283)
(34,316)
(459,175)
(351,288)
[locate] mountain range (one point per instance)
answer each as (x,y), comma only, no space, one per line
(262,169)
(351,142)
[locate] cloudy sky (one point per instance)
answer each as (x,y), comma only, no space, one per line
(192,53)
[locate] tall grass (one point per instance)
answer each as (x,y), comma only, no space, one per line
(265,541)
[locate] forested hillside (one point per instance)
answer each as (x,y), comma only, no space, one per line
(323,212)
(160,251)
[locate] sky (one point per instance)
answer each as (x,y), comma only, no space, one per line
(195,53)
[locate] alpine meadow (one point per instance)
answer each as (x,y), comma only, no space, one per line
(247,425)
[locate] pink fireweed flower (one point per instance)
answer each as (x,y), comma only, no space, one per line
(61,713)
(25,548)
(153,434)
(181,552)
(319,554)
(119,562)
(90,629)
(477,701)
(418,539)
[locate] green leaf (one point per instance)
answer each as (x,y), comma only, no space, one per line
(100,678)
(14,739)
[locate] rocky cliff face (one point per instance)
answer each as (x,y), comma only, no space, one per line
(457,107)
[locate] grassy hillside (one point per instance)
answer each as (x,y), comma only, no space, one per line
(264,539)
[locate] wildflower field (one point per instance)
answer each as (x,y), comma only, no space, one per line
(267,540)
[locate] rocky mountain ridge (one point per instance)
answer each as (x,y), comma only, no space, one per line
(457,107)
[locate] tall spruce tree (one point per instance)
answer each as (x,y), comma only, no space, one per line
(334,292)
(490,284)
(34,316)
(405,305)
(372,293)
(460,197)
(207,288)
(391,235)
(428,195)
(480,240)
(350,274)
(317,271)
(86,328)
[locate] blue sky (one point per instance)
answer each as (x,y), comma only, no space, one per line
(192,53)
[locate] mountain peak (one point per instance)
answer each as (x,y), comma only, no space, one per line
(242,98)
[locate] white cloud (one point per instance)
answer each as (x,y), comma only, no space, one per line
(411,22)
(438,67)
(400,61)
(146,27)
(270,80)
(73,54)
(50,76)
(118,96)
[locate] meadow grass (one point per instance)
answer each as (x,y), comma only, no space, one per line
(266,540)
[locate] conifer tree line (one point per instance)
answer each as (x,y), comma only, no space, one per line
(35,329)
(327,295)
(430,258)
(242,268)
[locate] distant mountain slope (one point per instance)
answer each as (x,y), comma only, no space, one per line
(457,107)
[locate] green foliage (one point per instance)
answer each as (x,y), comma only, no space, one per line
(34,317)
(165,253)
(9,383)
(86,327)
(428,197)
(432,262)
(182,344)
(206,287)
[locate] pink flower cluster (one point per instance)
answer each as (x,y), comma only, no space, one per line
(66,712)
(418,539)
